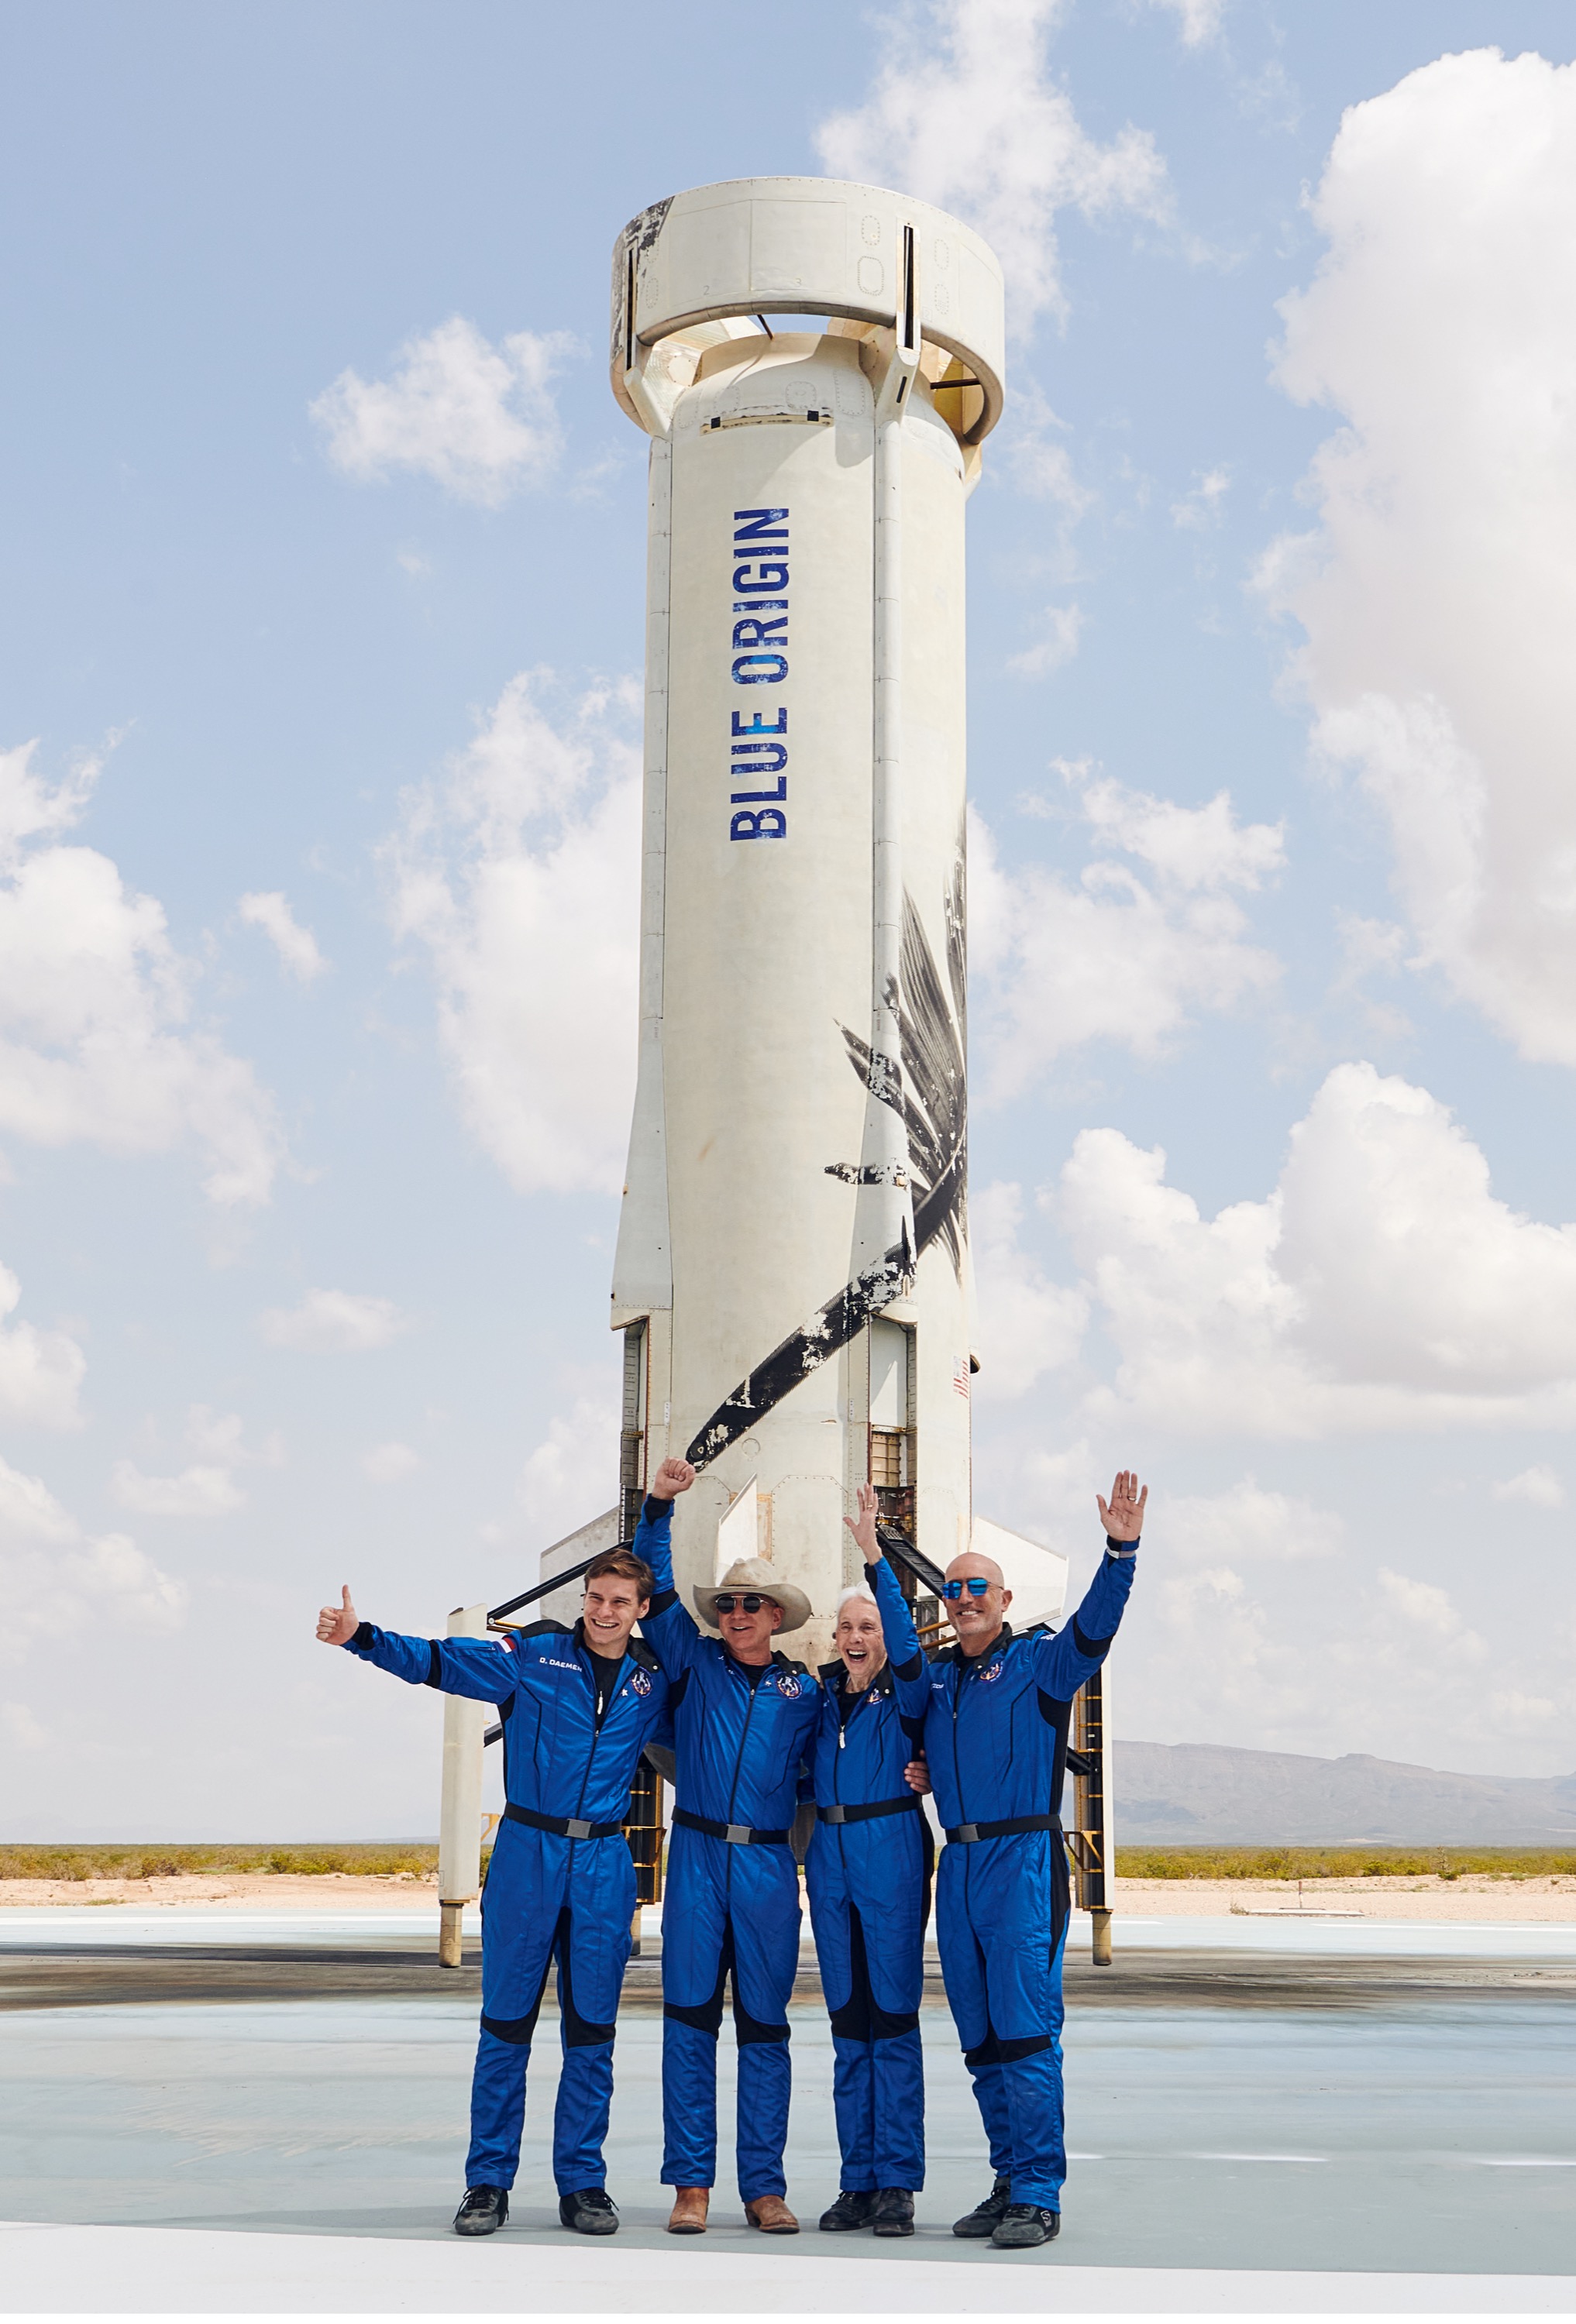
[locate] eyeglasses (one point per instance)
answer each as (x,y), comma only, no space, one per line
(725,1602)
(974,1584)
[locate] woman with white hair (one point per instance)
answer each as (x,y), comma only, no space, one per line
(868,1872)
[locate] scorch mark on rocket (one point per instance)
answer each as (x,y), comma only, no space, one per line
(935,1104)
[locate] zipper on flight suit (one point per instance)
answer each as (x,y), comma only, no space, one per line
(744,1738)
(957,1773)
(596,1727)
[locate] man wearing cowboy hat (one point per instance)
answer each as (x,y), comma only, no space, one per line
(744,1717)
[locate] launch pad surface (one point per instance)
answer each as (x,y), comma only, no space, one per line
(1280,2124)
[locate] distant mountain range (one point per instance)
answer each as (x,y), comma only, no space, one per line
(1204,1791)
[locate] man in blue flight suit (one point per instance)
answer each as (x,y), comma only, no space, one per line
(868,1873)
(743,1719)
(995,1736)
(577,1707)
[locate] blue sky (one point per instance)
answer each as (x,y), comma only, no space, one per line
(322,584)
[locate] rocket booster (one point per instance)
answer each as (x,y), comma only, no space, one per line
(792,1275)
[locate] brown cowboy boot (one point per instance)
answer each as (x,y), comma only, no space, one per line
(772,2215)
(689,2215)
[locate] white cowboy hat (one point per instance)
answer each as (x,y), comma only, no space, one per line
(756,1574)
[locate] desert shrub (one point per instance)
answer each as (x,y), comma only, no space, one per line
(1205,1863)
(153,1861)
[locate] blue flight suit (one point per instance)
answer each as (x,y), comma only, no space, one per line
(869,1877)
(731,1905)
(549,1896)
(995,1736)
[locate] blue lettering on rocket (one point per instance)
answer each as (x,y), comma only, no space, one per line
(760,548)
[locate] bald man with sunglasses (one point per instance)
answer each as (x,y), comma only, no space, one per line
(996,1739)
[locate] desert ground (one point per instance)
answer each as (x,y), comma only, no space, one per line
(1472,1897)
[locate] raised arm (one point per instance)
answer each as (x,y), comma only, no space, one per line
(910,1675)
(1063,1662)
(669,1625)
(481,1668)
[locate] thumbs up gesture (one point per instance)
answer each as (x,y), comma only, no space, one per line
(338,1625)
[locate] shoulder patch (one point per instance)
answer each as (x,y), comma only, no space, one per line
(544,1630)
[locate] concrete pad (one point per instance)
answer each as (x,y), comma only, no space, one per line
(150,2271)
(417,1926)
(1307,2141)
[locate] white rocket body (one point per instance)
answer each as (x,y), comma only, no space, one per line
(792,1271)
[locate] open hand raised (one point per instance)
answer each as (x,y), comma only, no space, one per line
(338,1625)
(864,1527)
(1123,1514)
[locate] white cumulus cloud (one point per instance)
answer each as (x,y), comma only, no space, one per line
(1249,1525)
(97,1042)
(1030,446)
(334,1322)
(1197,21)
(1028,1325)
(1200,508)
(518,872)
(197,1492)
(1438,594)
(1061,626)
(296,946)
(966,113)
(572,1475)
(1343,1660)
(40,1371)
(1538,1486)
(221,1437)
(53,1577)
(388,1464)
(1130,951)
(1380,1284)
(479,419)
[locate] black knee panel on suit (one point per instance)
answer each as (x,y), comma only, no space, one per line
(994,2051)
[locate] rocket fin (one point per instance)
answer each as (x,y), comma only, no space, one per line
(643,1268)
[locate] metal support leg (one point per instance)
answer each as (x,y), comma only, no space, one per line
(1094,1836)
(450,1922)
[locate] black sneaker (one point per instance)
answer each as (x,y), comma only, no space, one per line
(591,2212)
(986,2216)
(894,2212)
(484,2212)
(1025,2224)
(853,2208)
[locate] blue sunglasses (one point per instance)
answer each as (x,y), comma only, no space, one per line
(975,1584)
